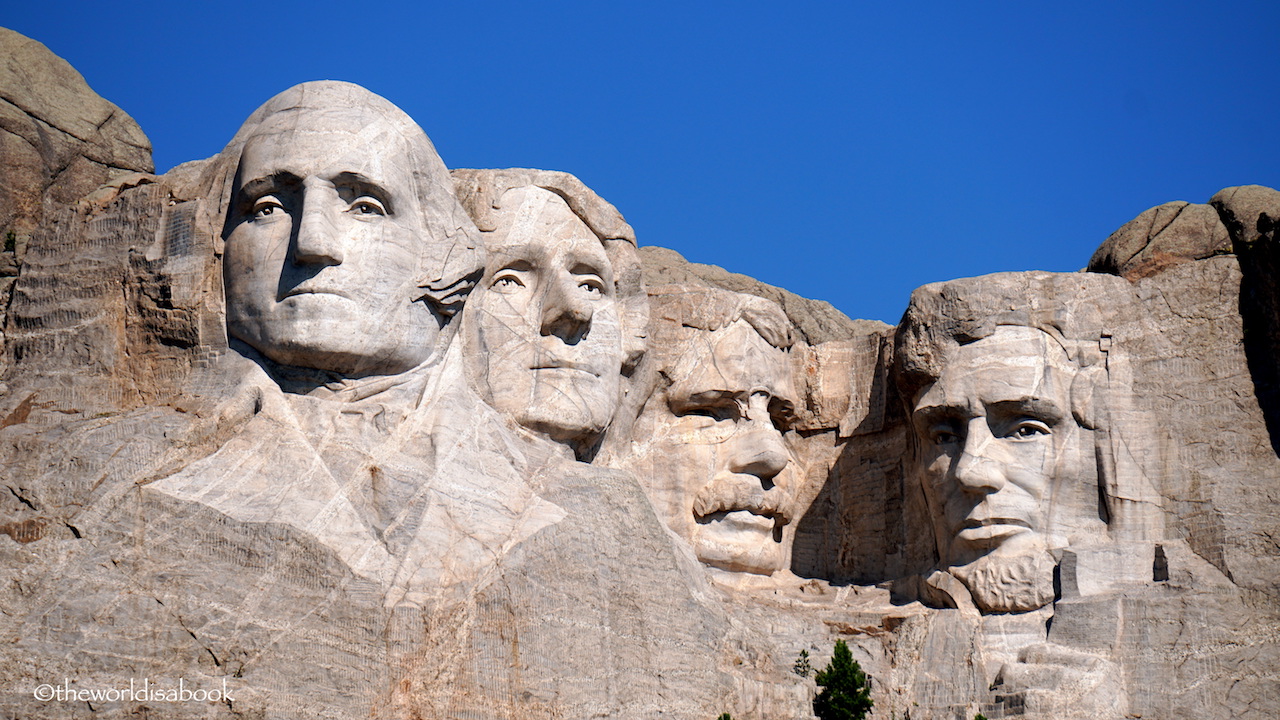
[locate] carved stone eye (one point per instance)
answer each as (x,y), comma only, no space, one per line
(1028,429)
(507,283)
(943,435)
(367,205)
(265,207)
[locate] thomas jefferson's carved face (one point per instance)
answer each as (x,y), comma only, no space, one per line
(324,246)
(544,328)
(1007,470)
(718,469)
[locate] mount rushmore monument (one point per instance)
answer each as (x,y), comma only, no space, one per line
(319,427)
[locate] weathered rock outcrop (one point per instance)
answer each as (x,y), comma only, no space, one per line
(1164,236)
(59,141)
(816,321)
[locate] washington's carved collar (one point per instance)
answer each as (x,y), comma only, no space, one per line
(332,386)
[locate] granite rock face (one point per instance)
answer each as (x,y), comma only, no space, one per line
(59,140)
(325,429)
(816,321)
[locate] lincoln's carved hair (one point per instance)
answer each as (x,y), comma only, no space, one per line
(946,315)
(453,256)
(1090,316)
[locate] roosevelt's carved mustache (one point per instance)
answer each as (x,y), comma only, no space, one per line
(731,492)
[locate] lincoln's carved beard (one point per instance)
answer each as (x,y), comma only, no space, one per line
(1010,583)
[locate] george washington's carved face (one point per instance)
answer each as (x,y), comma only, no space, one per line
(324,246)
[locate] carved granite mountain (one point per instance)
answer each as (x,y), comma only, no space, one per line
(320,422)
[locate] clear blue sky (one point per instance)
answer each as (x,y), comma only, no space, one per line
(847,151)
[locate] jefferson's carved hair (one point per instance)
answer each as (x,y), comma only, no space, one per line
(481,191)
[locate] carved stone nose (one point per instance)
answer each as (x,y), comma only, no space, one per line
(759,451)
(565,315)
(317,241)
(976,470)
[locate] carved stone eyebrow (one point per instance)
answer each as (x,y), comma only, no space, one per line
(1032,406)
(267,184)
(934,413)
(517,264)
(356,184)
(682,401)
(588,268)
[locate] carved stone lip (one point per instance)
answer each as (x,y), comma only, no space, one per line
(777,517)
(993,530)
(742,519)
(716,500)
(566,365)
(990,521)
(305,290)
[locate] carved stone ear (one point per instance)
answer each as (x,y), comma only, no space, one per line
(1089,397)
(632,299)
(448,297)
(453,269)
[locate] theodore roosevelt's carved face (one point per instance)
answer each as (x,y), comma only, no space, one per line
(1007,471)
(323,246)
(544,327)
(716,466)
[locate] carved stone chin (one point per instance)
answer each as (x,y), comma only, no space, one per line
(1001,583)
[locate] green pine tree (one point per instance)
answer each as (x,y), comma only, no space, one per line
(846,690)
(801,666)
